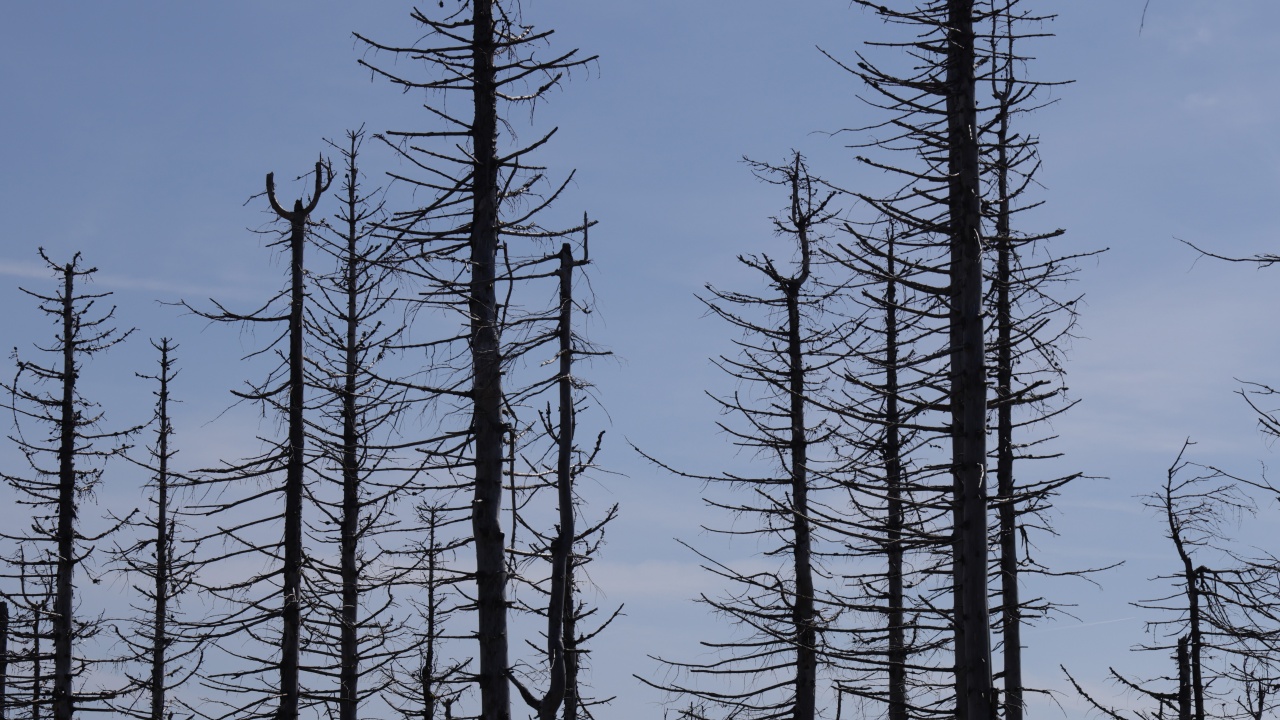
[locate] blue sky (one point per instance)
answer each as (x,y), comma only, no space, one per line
(135,133)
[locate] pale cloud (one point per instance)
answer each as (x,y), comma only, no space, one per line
(235,289)
(649,580)
(23,269)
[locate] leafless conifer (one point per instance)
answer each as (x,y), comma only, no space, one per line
(282,394)
(352,325)
(898,515)
(65,467)
(473,236)
(1220,622)
(161,571)
(784,357)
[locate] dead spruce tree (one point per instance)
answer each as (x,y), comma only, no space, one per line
(160,569)
(475,237)
(567,550)
(26,682)
(352,324)
(1220,619)
(427,683)
(280,583)
(896,524)
(933,118)
(785,353)
(65,465)
(1032,320)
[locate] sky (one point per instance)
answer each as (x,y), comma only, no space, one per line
(137,133)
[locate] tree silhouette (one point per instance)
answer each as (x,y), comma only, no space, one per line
(472,238)
(898,513)
(352,327)
(160,570)
(1220,621)
(65,468)
(783,359)
(282,393)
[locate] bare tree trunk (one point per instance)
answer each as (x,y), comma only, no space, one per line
(802,611)
(491,574)
(290,639)
(893,491)
(1184,681)
(429,694)
(159,637)
(37,680)
(1011,611)
(349,672)
(4,658)
(968,381)
(1196,637)
(293,486)
(569,711)
(63,604)
(562,547)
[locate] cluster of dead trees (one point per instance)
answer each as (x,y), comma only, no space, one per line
(414,511)
(417,497)
(893,383)
(873,376)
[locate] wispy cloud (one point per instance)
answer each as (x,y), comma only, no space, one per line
(30,270)
(1075,626)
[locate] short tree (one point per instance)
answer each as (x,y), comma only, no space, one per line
(161,569)
(1220,621)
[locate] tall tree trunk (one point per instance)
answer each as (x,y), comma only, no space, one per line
(1011,611)
(349,672)
(4,658)
(491,575)
(893,492)
(968,381)
(562,547)
(291,612)
(159,629)
(802,612)
(63,604)
(291,635)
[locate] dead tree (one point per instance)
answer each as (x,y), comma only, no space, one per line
(352,325)
(968,392)
(65,461)
(26,684)
(1220,621)
(1032,321)
(934,118)
(472,237)
(561,546)
(161,570)
(428,683)
(281,394)
(577,634)
(786,351)
(898,515)
(566,462)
